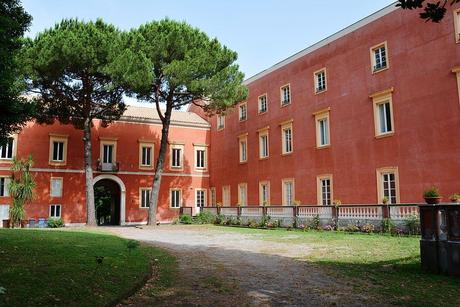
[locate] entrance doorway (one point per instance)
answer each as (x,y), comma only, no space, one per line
(107,197)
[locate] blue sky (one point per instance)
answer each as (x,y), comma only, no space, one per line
(263,32)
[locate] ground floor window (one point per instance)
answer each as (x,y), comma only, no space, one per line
(288,192)
(243,194)
(175,200)
(324,190)
(55,211)
(145,197)
(264,193)
(226,196)
(4,182)
(212,196)
(200,198)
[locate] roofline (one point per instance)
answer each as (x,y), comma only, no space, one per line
(355,26)
(143,120)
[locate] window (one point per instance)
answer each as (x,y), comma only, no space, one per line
(212,197)
(220,122)
(58,149)
(285,95)
(108,150)
(243,147)
(288,192)
(243,194)
(286,137)
(457,25)
(388,185)
(200,157)
(226,195)
(264,193)
(175,198)
(263,143)
(4,189)
(320,81)
(177,152)
(324,190)
(379,57)
(200,198)
(243,111)
(56,187)
(263,104)
(383,113)
(146,155)
(55,211)
(7,150)
(145,197)
(322,128)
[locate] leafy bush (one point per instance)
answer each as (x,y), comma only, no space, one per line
(253,224)
(388,226)
(413,224)
(205,217)
(185,219)
(352,228)
(368,228)
(264,221)
(132,245)
(431,192)
(218,219)
(274,224)
(315,223)
(454,197)
(328,227)
(55,222)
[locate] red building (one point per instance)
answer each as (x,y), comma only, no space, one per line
(371,112)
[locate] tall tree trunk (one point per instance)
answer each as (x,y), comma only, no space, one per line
(90,209)
(154,195)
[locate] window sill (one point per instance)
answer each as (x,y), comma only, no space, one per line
(9,161)
(144,208)
(201,170)
(320,92)
(323,146)
(174,207)
(262,113)
(380,70)
(146,168)
(384,135)
(243,162)
(263,158)
(242,120)
(285,104)
(176,169)
(287,153)
(220,129)
(57,163)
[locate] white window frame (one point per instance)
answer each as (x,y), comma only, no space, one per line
(283,97)
(264,197)
(243,111)
(61,187)
(457,25)
(288,125)
(321,116)
(171,200)
(196,149)
(378,99)
(5,148)
(108,142)
(262,99)
(212,197)
(147,192)
(243,196)
(380,172)
(288,201)
(243,148)
(374,68)
(51,210)
(264,133)
(61,139)
(180,147)
(151,146)
(320,78)
(204,198)
(6,191)
(319,190)
(226,196)
(220,122)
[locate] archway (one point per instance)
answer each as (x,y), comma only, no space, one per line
(110,200)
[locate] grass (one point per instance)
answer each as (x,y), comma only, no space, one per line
(56,268)
(381,265)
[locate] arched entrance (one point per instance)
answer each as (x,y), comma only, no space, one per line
(109,199)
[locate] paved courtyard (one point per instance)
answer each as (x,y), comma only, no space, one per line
(229,268)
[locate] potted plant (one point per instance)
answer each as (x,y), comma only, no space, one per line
(455,198)
(432,196)
(385,200)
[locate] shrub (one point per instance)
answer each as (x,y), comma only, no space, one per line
(388,226)
(205,217)
(253,224)
(368,228)
(274,224)
(413,224)
(264,221)
(218,219)
(454,197)
(315,223)
(132,245)
(55,222)
(185,219)
(328,227)
(352,228)
(431,192)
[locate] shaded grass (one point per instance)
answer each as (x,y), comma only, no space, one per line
(374,264)
(56,268)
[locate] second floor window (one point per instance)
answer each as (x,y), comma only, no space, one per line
(263,106)
(146,154)
(287,139)
(6,150)
(243,150)
(379,57)
(263,139)
(4,182)
(58,151)
(200,158)
(107,154)
(320,81)
(243,112)
(176,159)
(285,95)
(220,122)
(384,117)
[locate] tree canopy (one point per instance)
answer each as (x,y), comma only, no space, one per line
(14,110)
(432,11)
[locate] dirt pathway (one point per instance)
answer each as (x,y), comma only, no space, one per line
(232,269)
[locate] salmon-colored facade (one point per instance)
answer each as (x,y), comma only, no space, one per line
(370,114)
(421,149)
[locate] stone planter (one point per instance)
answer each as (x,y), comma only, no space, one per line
(432,200)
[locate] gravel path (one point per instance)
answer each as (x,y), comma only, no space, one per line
(217,268)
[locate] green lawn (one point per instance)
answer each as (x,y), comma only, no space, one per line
(382,265)
(50,268)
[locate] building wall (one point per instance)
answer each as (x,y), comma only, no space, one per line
(34,139)
(426,110)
